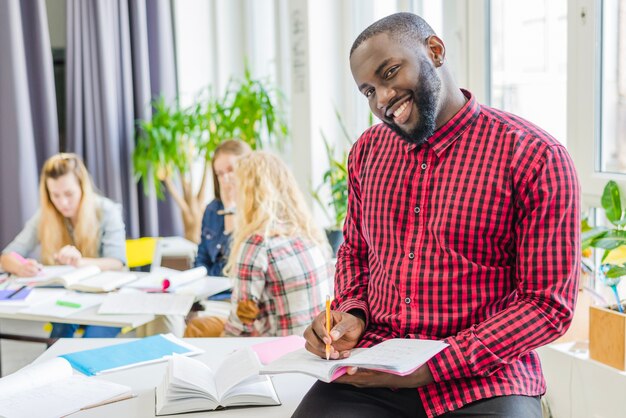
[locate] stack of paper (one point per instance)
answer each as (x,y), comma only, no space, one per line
(134,303)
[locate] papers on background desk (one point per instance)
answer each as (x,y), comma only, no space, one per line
(49,306)
(47,273)
(8,297)
(136,302)
(35,297)
(154,280)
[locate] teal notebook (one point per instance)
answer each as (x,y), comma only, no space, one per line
(134,353)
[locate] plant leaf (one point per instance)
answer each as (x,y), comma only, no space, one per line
(611,240)
(612,203)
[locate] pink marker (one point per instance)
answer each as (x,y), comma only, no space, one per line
(19,258)
(22,260)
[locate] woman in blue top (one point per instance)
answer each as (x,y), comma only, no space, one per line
(217,222)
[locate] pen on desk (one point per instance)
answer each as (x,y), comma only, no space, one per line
(16,292)
(68,304)
(328,325)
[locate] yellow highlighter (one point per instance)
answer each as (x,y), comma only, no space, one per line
(328,325)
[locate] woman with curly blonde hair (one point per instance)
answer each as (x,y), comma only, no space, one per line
(279,259)
(74,226)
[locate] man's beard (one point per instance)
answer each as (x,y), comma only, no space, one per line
(425,98)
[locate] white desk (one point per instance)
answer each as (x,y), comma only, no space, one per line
(579,387)
(290,387)
(88,316)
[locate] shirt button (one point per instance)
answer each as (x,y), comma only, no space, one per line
(417,209)
(424,165)
(407,300)
(411,256)
(219,246)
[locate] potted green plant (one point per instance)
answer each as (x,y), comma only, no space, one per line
(174,138)
(607,324)
(335,181)
(249,110)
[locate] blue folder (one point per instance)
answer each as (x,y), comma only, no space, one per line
(143,351)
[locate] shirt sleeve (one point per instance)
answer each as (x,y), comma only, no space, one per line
(252,265)
(26,241)
(547,269)
(211,236)
(352,271)
(113,235)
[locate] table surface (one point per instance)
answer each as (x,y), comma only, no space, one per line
(84,317)
(143,379)
(201,288)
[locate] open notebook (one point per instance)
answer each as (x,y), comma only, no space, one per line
(190,385)
(398,356)
(84,279)
(50,389)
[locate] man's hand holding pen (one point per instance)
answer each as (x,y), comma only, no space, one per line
(346,331)
(344,335)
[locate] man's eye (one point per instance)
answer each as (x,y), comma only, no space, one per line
(368,92)
(390,72)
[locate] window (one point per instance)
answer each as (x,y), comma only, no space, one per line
(612,143)
(529,61)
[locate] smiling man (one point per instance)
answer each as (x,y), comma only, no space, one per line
(463,226)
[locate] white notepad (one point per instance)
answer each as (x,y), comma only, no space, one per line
(50,389)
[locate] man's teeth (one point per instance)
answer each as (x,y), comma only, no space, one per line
(399,110)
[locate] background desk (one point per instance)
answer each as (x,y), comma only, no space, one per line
(579,387)
(290,387)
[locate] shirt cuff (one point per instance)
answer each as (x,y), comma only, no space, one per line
(449,363)
(349,304)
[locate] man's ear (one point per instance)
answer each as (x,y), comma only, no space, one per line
(436,50)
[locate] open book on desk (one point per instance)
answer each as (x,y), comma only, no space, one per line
(190,385)
(50,389)
(397,356)
(84,279)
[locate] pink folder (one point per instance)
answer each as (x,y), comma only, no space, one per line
(271,350)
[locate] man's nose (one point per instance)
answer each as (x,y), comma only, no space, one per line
(384,95)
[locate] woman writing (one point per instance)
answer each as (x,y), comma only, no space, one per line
(74,226)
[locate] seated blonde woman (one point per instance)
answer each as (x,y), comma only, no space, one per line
(74,226)
(279,259)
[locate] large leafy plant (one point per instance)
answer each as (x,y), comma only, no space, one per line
(249,110)
(612,239)
(174,138)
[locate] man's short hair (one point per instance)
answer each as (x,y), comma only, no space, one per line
(404,27)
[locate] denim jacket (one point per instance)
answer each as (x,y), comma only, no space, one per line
(214,244)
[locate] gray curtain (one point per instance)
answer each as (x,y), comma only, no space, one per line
(28,124)
(120,54)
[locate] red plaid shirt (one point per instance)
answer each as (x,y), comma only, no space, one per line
(472,238)
(287,277)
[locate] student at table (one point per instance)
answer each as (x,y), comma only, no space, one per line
(279,258)
(217,222)
(74,226)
